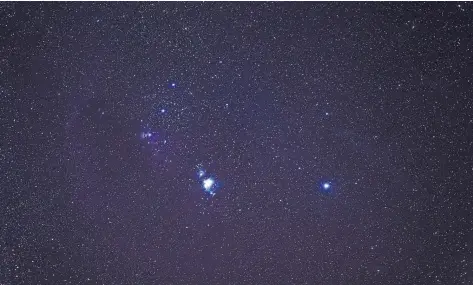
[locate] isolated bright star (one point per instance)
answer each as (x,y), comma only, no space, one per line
(326,186)
(162,110)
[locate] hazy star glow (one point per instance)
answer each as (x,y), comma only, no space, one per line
(208,183)
(146,135)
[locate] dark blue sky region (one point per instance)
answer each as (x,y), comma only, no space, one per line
(110,110)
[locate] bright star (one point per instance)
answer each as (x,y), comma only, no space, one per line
(201,173)
(326,186)
(208,183)
(163,110)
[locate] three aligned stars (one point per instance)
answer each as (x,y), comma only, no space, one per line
(208,182)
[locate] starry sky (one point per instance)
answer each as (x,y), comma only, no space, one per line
(236,143)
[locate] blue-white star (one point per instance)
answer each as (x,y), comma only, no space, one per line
(209,186)
(208,183)
(201,173)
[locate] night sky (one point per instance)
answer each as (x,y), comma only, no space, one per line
(236,143)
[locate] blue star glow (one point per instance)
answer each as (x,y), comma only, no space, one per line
(201,173)
(146,135)
(209,186)
(208,182)
(326,187)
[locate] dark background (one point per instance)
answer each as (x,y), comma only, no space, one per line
(274,99)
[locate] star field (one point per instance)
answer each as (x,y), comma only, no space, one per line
(236,143)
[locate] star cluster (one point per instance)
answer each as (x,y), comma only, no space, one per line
(208,181)
(236,143)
